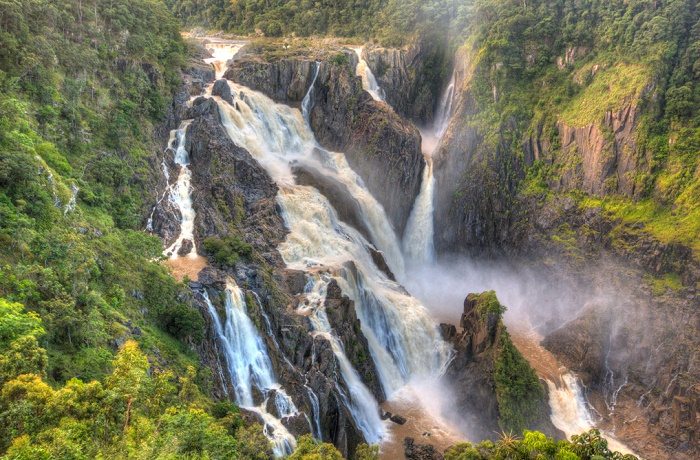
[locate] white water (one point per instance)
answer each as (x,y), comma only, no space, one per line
(222,52)
(418,245)
(180,194)
(418,240)
(369,82)
(570,411)
(362,405)
(306,102)
(404,341)
(249,367)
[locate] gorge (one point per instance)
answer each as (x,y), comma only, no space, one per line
(431,230)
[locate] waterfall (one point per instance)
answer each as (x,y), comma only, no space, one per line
(418,240)
(403,339)
(306,102)
(369,82)
(250,368)
(570,411)
(444,111)
(181,193)
(418,245)
(315,413)
(362,405)
(222,51)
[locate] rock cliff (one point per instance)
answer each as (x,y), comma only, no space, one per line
(378,144)
(233,195)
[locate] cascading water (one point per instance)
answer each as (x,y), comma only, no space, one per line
(278,137)
(418,244)
(181,192)
(570,411)
(306,102)
(222,51)
(369,82)
(249,367)
(362,405)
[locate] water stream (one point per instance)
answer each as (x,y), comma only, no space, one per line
(250,368)
(369,82)
(404,340)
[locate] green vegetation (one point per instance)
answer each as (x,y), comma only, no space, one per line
(390,21)
(587,446)
(134,412)
(518,389)
(487,304)
(227,250)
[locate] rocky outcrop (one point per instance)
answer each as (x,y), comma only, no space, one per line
(412,77)
(378,144)
(233,193)
(413,451)
(472,373)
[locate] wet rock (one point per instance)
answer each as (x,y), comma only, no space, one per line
(222,89)
(380,262)
(185,248)
(448,331)
(295,281)
(297,425)
(398,419)
(408,76)
(414,451)
(385,415)
(378,144)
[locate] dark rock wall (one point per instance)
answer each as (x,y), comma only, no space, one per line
(378,144)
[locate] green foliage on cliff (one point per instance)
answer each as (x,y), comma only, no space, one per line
(587,446)
(82,85)
(542,63)
(519,392)
(227,250)
(487,304)
(390,21)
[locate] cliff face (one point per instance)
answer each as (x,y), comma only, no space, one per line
(378,144)
(411,77)
(600,158)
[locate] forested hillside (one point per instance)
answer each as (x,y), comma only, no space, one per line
(95,338)
(103,352)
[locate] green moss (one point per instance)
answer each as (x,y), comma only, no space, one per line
(661,285)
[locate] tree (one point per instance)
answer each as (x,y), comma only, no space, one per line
(129,375)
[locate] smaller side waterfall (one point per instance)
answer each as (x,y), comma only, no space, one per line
(306,102)
(249,368)
(570,411)
(369,82)
(444,111)
(418,245)
(315,413)
(181,192)
(362,405)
